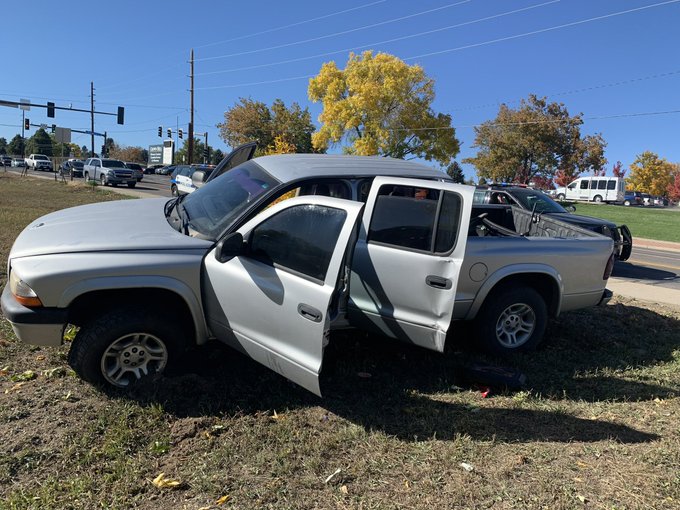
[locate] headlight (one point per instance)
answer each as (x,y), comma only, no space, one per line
(22,292)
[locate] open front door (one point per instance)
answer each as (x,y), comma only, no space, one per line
(239,155)
(408,259)
(275,300)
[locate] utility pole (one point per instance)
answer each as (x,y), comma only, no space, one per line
(191,118)
(92,118)
(23,134)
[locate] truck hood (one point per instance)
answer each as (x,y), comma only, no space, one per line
(122,225)
(586,222)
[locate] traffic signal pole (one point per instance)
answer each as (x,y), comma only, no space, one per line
(92,118)
(191,120)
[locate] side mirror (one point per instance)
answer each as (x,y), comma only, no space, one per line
(198,178)
(229,247)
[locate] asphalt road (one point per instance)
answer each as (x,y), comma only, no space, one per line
(650,266)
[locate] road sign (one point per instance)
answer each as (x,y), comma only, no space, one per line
(25,104)
(62,135)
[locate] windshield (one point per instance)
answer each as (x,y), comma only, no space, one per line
(214,206)
(529,198)
(41,158)
(113,163)
(77,164)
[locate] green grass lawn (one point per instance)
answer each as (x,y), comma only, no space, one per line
(662,224)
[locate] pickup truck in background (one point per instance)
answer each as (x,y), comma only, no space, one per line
(39,162)
(109,171)
(272,254)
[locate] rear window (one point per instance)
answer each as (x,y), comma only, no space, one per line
(113,163)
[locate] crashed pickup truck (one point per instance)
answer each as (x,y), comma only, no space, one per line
(271,255)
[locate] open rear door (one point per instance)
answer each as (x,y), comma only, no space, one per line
(275,300)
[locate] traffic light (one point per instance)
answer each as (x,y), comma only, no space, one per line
(54,127)
(121,115)
(104,150)
(50,109)
(180,133)
(206,152)
(160,132)
(27,124)
(169,133)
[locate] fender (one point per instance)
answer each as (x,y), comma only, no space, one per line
(512,270)
(135,282)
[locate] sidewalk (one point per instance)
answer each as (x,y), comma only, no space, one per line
(644,292)
(657,245)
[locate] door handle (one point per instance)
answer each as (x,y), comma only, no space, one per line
(438,282)
(309,312)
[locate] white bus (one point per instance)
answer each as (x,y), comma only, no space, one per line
(593,189)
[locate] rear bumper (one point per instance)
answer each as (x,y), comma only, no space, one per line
(35,326)
(606,297)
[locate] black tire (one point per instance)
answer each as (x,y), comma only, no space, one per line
(102,179)
(173,190)
(116,348)
(626,203)
(560,197)
(86,176)
(512,320)
(597,199)
(131,184)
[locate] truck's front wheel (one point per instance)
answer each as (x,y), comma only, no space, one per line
(512,320)
(125,347)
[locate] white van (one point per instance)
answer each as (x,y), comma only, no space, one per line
(593,189)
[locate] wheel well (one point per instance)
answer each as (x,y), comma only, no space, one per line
(170,304)
(542,283)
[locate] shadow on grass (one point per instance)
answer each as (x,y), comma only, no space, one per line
(608,354)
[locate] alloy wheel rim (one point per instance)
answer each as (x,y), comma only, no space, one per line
(133,357)
(515,325)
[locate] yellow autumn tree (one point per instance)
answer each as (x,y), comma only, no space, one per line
(281,146)
(650,174)
(380,105)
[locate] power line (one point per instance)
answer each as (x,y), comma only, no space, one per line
(543,30)
(459,48)
(387,41)
(291,25)
(327,36)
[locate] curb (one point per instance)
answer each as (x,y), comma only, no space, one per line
(644,292)
(657,245)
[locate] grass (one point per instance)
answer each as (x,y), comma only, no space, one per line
(662,224)
(595,427)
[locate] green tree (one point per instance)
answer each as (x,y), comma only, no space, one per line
(380,105)
(84,152)
(250,120)
(16,146)
(39,143)
(455,171)
(216,156)
(181,156)
(3,145)
(651,174)
(536,139)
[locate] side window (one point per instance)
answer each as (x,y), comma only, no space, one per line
(602,184)
(96,162)
(572,185)
(404,216)
(584,184)
(300,239)
(449,221)
(611,184)
(326,188)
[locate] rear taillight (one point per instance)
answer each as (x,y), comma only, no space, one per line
(609,267)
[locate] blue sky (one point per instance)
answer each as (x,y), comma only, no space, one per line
(620,69)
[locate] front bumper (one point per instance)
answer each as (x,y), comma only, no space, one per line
(35,326)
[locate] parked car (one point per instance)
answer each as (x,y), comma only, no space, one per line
(632,198)
(647,199)
(109,171)
(137,169)
(165,170)
(18,162)
(151,169)
(5,160)
(538,201)
(264,259)
(72,167)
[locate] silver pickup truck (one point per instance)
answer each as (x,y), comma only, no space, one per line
(272,254)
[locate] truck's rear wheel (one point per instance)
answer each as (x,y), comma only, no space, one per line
(512,320)
(125,348)
(560,197)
